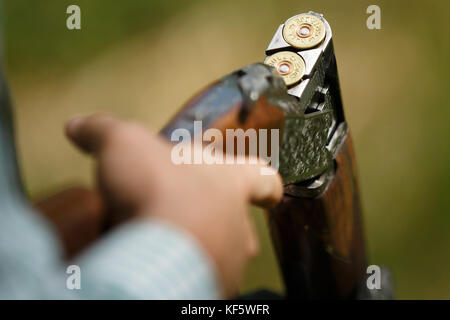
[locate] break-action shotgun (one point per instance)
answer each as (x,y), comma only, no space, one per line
(317,228)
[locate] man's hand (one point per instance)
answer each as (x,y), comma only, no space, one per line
(138,179)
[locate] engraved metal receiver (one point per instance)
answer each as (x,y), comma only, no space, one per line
(300,79)
(302,53)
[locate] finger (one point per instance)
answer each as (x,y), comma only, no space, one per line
(263,184)
(90,132)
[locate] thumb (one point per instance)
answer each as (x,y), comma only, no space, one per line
(89,133)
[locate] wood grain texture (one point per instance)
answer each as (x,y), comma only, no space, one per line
(226,113)
(319,242)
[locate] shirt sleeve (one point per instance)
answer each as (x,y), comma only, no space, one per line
(148,260)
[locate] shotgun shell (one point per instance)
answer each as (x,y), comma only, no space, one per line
(289,65)
(304,31)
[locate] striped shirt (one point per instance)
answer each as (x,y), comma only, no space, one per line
(140,260)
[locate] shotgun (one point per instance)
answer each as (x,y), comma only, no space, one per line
(317,228)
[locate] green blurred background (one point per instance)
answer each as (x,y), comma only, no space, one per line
(142,59)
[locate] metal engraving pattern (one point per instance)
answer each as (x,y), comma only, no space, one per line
(312,138)
(303,154)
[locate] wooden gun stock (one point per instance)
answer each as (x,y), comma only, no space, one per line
(319,241)
(222,106)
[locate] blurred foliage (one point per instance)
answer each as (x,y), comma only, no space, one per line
(143,59)
(33,27)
